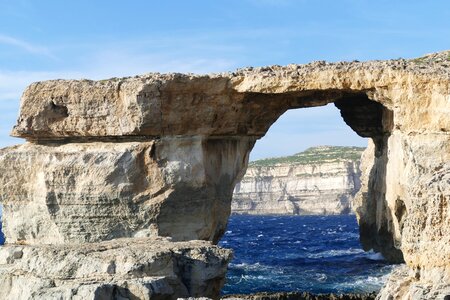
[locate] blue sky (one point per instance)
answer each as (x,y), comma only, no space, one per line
(101,39)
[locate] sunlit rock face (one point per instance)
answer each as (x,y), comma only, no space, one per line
(95,191)
(159,155)
(319,181)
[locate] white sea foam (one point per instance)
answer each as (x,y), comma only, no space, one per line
(252,278)
(248,267)
(364,284)
(374,256)
(333,253)
(321,277)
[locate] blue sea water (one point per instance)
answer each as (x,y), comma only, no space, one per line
(2,238)
(319,254)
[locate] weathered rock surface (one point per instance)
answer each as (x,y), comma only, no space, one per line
(78,179)
(405,284)
(137,268)
(57,193)
(321,180)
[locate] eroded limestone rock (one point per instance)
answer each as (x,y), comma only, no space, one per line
(405,284)
(137,268)
(158,155)
(89,192)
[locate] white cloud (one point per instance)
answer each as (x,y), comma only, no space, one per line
(120,63)
(28,47)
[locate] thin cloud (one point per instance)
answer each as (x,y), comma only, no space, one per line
(28,47)
(127,63)
(13,83)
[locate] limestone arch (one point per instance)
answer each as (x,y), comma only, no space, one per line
(155,140)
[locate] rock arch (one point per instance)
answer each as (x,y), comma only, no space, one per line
(115,162)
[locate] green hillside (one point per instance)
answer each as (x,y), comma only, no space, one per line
(313,155)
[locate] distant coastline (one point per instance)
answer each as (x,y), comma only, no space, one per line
(321,180)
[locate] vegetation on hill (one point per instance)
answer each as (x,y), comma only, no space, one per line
(311,155)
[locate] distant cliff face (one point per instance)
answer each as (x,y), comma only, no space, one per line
(320,180)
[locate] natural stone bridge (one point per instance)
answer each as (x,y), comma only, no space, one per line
(121,179)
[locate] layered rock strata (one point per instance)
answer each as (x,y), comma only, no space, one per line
(56,193)
(319,181)
(159,155)
(137,268)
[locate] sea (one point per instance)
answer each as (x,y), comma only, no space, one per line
(318,254)
(2,237)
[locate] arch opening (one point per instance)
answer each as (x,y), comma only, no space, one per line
(369,119)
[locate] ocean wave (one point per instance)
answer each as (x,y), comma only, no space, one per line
(248,267)
(375,256)
(330,232)
(321,277)
(363,284)
(253,277)
(333,253)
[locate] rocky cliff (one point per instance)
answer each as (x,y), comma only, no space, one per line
(116,164)
(320,180)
